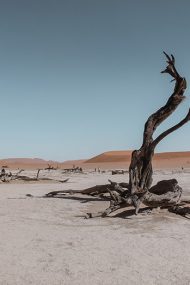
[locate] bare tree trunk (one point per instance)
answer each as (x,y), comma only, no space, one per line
(140,170)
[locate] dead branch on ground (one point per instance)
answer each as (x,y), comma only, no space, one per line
(7,177)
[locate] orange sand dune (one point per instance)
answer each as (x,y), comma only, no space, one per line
(122,159)
(111,156)
(74,162)
(35,163)
(106,160)
(27,163)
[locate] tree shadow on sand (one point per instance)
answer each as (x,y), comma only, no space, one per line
(80,199)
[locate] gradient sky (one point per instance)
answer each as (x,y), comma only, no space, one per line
(80,77)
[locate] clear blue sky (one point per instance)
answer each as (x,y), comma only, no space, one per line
(80,77)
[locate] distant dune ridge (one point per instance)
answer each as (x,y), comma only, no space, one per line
(160,160)
(111,156)
(27,163)
(110,159)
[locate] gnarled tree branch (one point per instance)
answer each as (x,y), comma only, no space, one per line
(172,129)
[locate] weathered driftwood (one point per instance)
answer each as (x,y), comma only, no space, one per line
(119,171)
(6,177)
(165,194)
(73,170)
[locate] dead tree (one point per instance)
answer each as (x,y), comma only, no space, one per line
(50,167)
(166,193)
(140,170)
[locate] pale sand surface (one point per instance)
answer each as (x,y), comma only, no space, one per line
(47,241)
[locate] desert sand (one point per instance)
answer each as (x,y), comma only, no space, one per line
(48,241)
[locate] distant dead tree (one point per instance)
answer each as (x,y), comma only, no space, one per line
(50,167)
(74,169)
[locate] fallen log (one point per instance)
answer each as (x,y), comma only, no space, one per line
(119,171)
(7,178)
(30,179)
